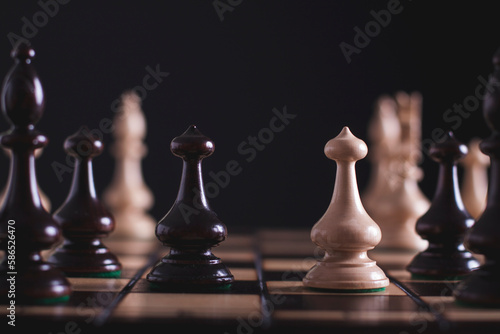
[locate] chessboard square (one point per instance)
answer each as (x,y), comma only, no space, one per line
(244,274)
(297,287)
(298,234)
(403,275)
(98,284)
(234,256)
(273,234)
(473,315)
(288,265)
(80,313)
(282,248)
(432,288)
(237,287)
(173,305)
(284,275)
(454,311)
(364,317)
(91,299)
(344,302)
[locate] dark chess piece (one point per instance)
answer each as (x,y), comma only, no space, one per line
(445,223)
(190,228)
(482,287)
(26,228)
(83,218)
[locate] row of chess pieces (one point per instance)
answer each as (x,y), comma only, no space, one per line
(128,197)
(68,241)
(396,215)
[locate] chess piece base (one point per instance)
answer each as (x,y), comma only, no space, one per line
(346,276)
(190,269)
(433,263)
(88,260)
(35,283)
(480,288)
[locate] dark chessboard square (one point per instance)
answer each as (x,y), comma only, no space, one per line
(91,299)
(346,303)
(237,287)
(295,275)
(433,288)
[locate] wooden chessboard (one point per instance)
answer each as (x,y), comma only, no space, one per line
(267,295)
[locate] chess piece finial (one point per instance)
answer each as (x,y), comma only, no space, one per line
(128,198)
(475,179)
(83,218)
(23,103)
(482,286)
(345,231)
(190,228)
(445,223)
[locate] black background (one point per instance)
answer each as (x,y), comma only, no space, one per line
(226,76)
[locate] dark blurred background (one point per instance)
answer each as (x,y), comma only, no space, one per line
(230,63)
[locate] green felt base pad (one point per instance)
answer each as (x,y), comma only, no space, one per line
(107,274)
(349,290)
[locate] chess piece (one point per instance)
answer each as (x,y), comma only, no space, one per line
(43,197)
(24,223)
(475,179)
(190,228)
(128,198)
(400,202)
(83,218)
(345,231)
(445,223)
(384,132)
(482,286)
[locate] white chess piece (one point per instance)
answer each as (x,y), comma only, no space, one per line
(345,231)
(128,198)
(400,202)
(475,179)
(384,132)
